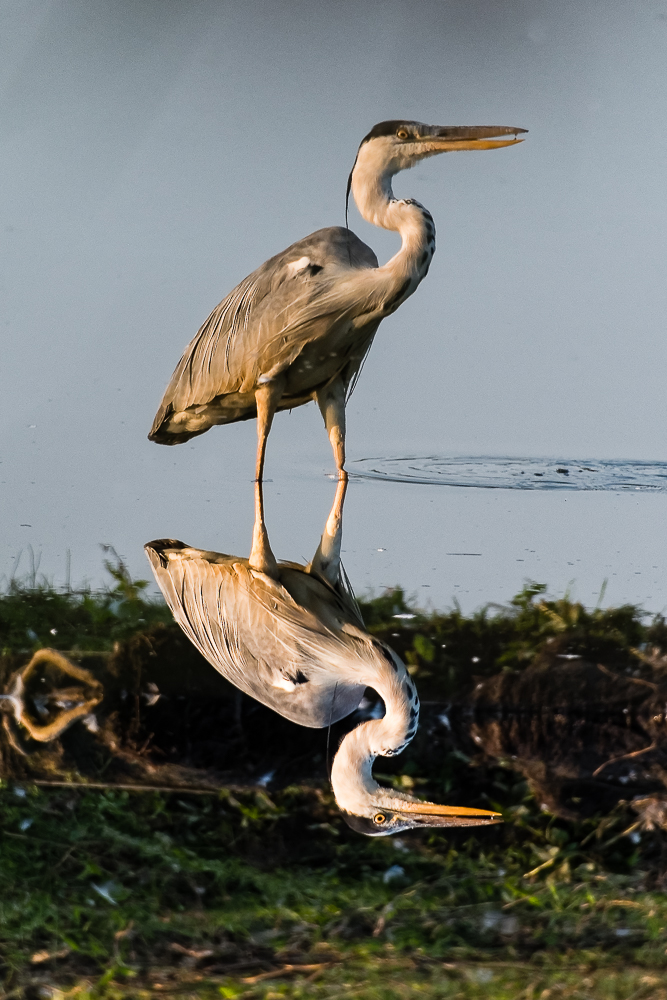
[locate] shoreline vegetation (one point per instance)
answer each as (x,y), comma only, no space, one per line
(257,889)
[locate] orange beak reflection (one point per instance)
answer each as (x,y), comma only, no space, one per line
(432,814)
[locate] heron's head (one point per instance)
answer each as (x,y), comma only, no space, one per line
(365,805)
(389,813)
(397,145)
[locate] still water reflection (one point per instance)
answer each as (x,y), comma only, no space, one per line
(292,637)
(445,543)
(584,732)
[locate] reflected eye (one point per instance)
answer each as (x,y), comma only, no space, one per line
(402,133)
(379,818)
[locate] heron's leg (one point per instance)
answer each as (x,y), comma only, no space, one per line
(326,560)
(331,401)
(267,397)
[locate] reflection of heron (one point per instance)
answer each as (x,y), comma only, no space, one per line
(299,327)
(294,640)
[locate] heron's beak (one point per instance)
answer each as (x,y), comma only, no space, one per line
(430,814)
(443,139)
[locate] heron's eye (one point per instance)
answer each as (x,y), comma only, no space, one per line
(402,133)
(379,818)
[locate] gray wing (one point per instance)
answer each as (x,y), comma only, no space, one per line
(261,326)
(250,628)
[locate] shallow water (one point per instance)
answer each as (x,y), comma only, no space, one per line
(440,542)
(444,543)
(476,529)
(479,545)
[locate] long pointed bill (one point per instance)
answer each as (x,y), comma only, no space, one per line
(431,814)
(451,137)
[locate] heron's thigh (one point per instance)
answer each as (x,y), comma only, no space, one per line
(331,401)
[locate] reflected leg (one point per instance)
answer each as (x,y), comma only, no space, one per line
(331,401)
(326,561)
(261,556)
(267,397)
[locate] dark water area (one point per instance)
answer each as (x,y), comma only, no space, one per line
(584,735)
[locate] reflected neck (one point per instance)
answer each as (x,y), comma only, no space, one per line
(352,770)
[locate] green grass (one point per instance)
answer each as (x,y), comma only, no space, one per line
(122,894)
(128,884)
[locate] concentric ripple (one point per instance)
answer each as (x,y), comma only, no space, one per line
(516,473)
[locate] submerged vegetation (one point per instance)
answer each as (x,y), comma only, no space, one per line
(263,892)
(443,645)
(34,614)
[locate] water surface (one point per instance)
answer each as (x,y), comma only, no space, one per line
(517,473)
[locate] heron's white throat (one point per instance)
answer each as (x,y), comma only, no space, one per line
(372,191)
(354,787)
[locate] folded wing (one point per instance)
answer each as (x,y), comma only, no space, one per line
(263,324)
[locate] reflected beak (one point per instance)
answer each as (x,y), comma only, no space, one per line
(451,137)
(431,814)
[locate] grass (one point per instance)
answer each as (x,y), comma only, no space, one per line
(126,887)
(114,894)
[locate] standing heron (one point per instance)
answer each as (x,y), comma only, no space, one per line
(294,640)
(300,326)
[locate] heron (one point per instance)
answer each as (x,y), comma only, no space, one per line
(300,326)
(294,639)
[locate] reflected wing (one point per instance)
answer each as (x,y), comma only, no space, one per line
(344,588)
(263,324)
(250,629)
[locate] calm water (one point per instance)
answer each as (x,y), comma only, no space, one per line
(477,544)
(440,542)
(142,182)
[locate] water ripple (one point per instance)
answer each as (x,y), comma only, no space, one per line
(516,473)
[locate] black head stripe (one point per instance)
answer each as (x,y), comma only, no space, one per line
(349,188)
(388,128)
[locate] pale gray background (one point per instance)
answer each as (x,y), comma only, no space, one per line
(153,153)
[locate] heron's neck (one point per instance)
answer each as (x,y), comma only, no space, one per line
(352,769)
(371,188)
